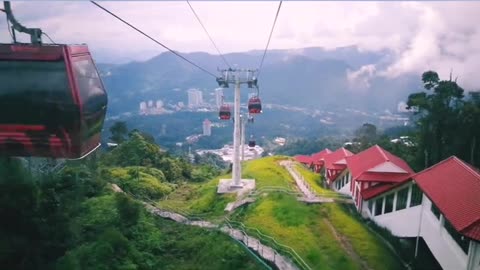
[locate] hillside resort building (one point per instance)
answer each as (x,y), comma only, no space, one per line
(441,204)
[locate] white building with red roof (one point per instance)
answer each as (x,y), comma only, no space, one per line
(314,161)
(305,160)
(374,171)
(441,204)
(335,170)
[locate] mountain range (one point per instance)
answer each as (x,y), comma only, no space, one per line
(308,77)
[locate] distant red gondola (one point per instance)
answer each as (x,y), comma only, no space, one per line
(224,112)
(254,105)
(52,101)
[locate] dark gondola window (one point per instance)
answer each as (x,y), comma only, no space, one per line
(92,95)
(33,92)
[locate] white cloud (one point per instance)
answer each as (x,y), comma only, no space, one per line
(360,79)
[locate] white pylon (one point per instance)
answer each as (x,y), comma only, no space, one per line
(237,77)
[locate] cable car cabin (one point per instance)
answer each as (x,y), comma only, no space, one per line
(52,101)
(254,105)
(224,113)
(251,143)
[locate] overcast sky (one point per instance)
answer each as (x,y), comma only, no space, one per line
(423,35)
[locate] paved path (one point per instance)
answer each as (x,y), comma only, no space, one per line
(234,205)
(264,251)
(309,195)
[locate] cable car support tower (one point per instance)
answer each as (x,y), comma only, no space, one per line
(237,77)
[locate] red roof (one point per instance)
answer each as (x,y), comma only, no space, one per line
(383,177)
(376,190)
(303,159)
(454,187)
(376,156)
(317,156)
(338,155)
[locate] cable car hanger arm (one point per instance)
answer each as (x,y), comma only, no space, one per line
(35,33)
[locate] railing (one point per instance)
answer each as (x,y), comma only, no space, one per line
(269,241)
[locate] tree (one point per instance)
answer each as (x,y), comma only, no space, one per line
(438,116)
(366,135)
(119,131)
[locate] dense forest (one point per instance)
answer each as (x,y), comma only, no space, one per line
(73,220)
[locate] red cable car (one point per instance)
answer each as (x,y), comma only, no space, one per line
(52,101)
(254,105)
(224,113)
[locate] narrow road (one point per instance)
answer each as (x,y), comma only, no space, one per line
(309,194)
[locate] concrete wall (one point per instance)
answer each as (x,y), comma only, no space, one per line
(396,221)
(441,244)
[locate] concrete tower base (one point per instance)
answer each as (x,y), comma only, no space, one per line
(227,186)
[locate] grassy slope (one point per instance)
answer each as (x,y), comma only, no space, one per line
(303,227)
(201,198)
(300,226)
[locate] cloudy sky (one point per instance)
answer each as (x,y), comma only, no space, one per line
(442,36)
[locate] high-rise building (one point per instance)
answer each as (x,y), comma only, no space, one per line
(159,104)
(143,107)
(195,98)
(207,127)
(219,97)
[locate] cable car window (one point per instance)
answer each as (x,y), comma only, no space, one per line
(89,84)
(33,91)
(92,94)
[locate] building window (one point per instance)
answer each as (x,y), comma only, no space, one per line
(416,196)
(378,207)
(435,210)
(461,241)
(389,203)
(370,206)
(402,197)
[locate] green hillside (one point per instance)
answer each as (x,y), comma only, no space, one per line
(326,236)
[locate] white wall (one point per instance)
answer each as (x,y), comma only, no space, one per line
(402,223)
(448,254)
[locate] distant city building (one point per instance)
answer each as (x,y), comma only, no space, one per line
(148,108)
(207,127)
(226,153)
(143,107)
(159,104)
(219,97)
(280,141)
(195,98)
